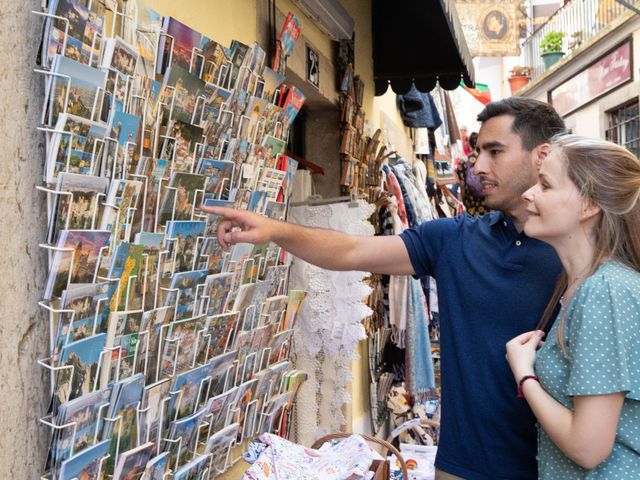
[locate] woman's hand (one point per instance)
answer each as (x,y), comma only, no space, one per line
(521,353)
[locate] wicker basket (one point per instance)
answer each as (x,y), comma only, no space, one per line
(386,448)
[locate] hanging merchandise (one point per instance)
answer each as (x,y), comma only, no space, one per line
(330,322)
(418,109)
(165,351)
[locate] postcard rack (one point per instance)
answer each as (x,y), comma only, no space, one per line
(166,353)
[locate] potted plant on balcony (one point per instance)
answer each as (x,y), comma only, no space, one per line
(551,47)
(519,77)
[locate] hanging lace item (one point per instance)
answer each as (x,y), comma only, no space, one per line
(329,324)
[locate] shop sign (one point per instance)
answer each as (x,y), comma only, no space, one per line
(313,67)
(490,28)
(609,72)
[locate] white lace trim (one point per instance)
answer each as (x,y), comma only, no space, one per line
(329,325)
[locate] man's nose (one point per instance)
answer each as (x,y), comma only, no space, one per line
(481,165)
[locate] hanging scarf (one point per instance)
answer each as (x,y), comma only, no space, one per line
(420,378)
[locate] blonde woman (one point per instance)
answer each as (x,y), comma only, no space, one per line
(583,383)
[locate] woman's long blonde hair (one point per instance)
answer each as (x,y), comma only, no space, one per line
(609,176)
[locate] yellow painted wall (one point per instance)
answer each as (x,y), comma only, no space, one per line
(220,20)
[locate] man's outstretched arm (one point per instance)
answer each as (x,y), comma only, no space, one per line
(325,248)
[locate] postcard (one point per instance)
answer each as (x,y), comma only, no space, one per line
(193,388)
(245,395)
(79,207)
(212,255)
(214,58)
(149,25)
(216,99)
(132,463)
(120,206)
(219,371)
(292,105)
(180,354)
(272,81)
(186,240)
(296,297)
(122,417)
(77,15)
(216,293)
(181,90)
(78,150)
(273,309)
(126,266)
(196,469)
(154,169)
(181,146)
(152,406)
(157,467)
(220,177)
(180,201)
(125,344)
(279,344)
(185,290)
(78,95)
(220,409)
(86,464)
(237,52)
(120,158)
(156,322)
(76,259)
(185,429)
(219,447)
(152,245)
(214,220)
(178,46)
(220,330)
(273,420)
(82,357)
(87,301)
(83,414)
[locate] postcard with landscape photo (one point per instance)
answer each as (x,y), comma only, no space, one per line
(152,244)
(80,91)
(186,241)
(83,414)
(214,57)
(221,329)
(180,354)
(219,371)
(83,357)
(76,14)
(77,150)
(178,202)
(120,206)
(182,90)
(181,146)
(87,301)
(157,467)
(79,207)
(76,259)
(93,34)
(186,288)
(182,45)
(123,336)
(193,387)
(124,128)
(156,322)
(216,98)
(220,176)
(216,292)
(85,464)
(125,399)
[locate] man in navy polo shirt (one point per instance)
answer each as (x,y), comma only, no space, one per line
(493,284)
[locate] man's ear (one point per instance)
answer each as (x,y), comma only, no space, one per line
(589,209)
(540,153)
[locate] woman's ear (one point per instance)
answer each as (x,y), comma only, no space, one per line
(540,153)
(590,209)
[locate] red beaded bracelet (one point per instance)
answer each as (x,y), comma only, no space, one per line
(524,379)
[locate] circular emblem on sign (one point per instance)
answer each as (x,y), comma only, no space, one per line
(495,25)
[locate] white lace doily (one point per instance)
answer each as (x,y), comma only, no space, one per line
(329,325)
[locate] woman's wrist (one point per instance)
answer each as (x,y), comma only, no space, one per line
(523,380)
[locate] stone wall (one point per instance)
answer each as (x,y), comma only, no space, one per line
(24,386)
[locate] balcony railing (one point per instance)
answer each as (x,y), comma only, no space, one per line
(580,20)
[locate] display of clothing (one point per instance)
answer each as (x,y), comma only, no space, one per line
(493,284)
(329,324)
(418,109)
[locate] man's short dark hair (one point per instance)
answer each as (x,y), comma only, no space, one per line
(534,121)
